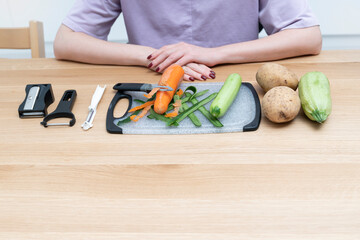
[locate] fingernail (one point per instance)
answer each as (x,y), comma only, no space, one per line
(150,65)
(212,76)
(212,72)
(157,69)
(203,77)
(149,56)
(191,79)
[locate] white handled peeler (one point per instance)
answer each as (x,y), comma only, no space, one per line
(92,108)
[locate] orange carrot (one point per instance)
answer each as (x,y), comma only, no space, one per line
(150,94)
(174,113)
(180,92)
(150,103)
(136,118)
(171,77)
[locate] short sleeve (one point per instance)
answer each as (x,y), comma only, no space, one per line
(277,15)
(93,17)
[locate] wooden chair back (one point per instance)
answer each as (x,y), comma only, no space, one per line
(31,37)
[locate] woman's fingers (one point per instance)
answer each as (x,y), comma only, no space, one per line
(155,63)
(162,65)
(183,54)
(163,57)
(193,75)
(157,52)
(203,70)
(180,53)
(188,78)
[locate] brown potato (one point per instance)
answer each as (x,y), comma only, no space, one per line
(273,75)
(281,104)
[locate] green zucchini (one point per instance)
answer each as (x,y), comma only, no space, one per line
(314,92)
(226,95)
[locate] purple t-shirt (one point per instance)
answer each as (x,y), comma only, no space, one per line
(207,23)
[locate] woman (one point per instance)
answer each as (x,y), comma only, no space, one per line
(196,34)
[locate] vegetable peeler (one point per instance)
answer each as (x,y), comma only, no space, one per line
(38,98)
(121,88)
(63,110)
(139,87)
(92,108)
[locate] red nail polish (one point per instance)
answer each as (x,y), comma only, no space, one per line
(150,65)
(149,56)
(191,79)
(157,69)
(212,72)
(203,77)
(212,76)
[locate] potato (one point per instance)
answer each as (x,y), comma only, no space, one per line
(273,75)
(281,104)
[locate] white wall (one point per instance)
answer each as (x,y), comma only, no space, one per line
(338,19)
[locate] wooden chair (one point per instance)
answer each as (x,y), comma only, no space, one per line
(31,37)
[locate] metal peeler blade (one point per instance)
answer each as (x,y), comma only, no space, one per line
(63,110)
(163,88)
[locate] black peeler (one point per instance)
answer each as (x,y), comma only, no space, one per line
(139,87)
(63,110)
(38,98)
(121,88)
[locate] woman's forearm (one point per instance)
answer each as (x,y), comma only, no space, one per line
(75,46)
(284,44)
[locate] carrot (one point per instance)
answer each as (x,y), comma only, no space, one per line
(171,77)
(152,93)
(136,118)
(180,93)
(150,103)
(172,114)
(177,106)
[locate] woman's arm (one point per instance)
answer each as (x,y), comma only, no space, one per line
(284,44)
(76,46)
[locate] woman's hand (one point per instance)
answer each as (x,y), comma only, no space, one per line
(181,54)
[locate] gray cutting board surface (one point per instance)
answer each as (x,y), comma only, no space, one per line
(241,113)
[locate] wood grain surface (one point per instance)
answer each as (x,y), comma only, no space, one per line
(299,180)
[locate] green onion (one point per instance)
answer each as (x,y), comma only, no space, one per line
(194,119)
(193,108)
(207,114)
(157,116)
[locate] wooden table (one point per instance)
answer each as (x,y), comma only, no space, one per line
(298,180)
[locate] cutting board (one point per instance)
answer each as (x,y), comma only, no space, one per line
(243,115)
